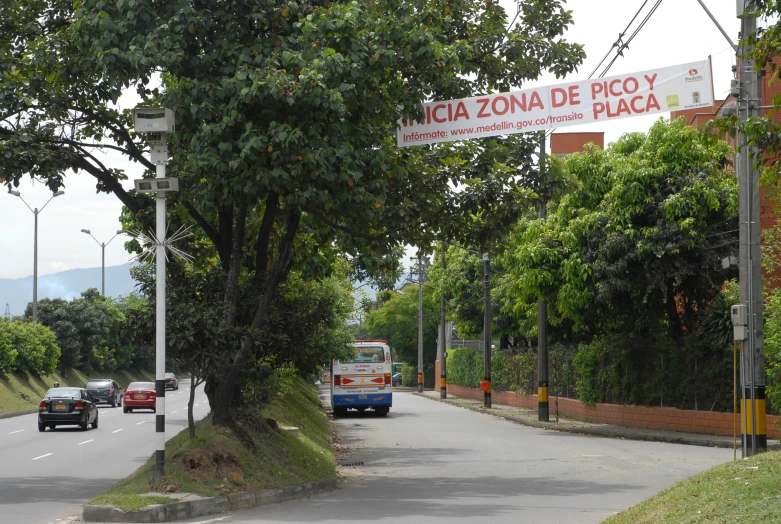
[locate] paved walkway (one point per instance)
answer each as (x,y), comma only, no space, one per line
(529,418)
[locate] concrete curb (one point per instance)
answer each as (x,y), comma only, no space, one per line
(206,506)
(611,431)
(18,413)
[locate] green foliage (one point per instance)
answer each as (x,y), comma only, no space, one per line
(8,351)
(397,322)
(284,147)
(409,376)
(26,347)
(772,341)
(465,367)
(94,332)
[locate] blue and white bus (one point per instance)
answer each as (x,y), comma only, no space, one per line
(364,381)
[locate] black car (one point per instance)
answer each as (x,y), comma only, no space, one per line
(396,380)
(105,390)
(67,407)
(171,382)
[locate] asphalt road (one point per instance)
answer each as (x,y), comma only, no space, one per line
(428,462)
(48,476)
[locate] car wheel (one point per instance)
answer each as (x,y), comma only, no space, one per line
(154,410)
(84,425)
(41,427)
(114,402)
(340,412)
(95,424)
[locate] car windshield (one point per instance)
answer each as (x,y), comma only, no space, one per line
(141,385)
(366,354)
(94,384)
(64,393)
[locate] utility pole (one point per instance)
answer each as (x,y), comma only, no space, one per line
(543,410)
(442,336)
(752,369)
(420,320)
(157,123)
(486,385)
(7,311)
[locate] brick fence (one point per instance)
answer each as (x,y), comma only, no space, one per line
(668,419)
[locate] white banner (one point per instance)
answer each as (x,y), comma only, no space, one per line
(685,86)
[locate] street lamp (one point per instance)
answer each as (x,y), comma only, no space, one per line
(35,246)
(102,258)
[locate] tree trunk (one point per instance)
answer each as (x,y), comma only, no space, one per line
(224,394)
(194,382)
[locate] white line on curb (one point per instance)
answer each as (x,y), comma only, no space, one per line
(86,441)
(42,456)
(17,431)
(117,431)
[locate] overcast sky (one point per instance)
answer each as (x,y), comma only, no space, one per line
(679,32)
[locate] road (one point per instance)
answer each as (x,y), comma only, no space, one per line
(46,476)
(428,462)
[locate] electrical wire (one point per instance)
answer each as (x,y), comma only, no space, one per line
(619,45)
(620,51)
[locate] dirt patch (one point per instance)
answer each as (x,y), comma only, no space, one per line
(205,464)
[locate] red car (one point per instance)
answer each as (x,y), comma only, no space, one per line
(140,395)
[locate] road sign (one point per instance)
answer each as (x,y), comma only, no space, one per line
(685,86)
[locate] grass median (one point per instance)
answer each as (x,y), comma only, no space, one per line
(253,455)
(21,392)
(740,491)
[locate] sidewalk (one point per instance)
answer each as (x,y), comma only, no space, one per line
(529,418)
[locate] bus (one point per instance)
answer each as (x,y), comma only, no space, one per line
(363,381)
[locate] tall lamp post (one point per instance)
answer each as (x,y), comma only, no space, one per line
(102,257)
(35,211)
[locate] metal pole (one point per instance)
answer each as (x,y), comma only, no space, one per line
(487,330)
(750,269)
(543,408)
(442,336)
(420,322)
(160,331)
(35,267)
(103,269)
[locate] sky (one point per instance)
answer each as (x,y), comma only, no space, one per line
(679,32)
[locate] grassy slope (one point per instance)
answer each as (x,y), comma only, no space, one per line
(731,492)
(24,392)
(219,461)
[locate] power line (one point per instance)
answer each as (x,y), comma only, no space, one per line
(620,45)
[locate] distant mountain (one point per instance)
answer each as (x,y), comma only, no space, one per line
(18,292)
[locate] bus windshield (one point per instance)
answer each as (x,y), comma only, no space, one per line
(366,355)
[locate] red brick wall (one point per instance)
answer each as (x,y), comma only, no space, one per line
(669,419)
(567,143)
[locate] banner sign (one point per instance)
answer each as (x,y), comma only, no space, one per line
(685,86)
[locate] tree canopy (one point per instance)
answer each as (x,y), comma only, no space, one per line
(286,114)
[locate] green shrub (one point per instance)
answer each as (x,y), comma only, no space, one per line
(36,346)
(464,367)
(7,350)
(409,376)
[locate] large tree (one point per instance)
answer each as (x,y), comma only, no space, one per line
(285,118)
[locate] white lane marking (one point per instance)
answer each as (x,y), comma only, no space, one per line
(42,456)
(117,431)
(195,404)
(142,422)
(87,441)
(177,411)
(17,431)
